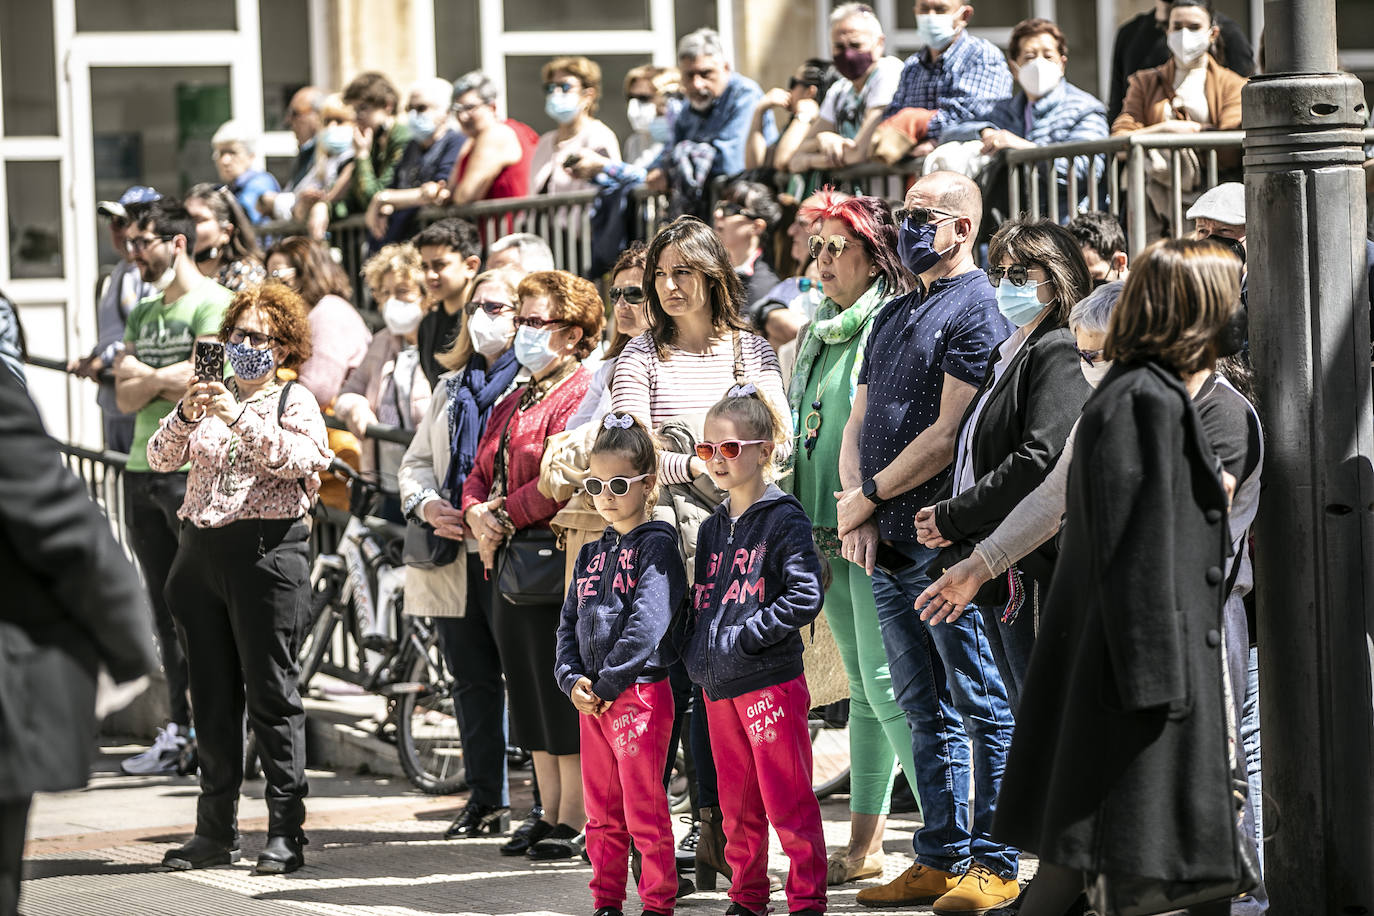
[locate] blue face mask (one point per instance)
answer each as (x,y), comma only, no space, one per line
(935,30)
(422,125)
(247,363)
(1018,304)
(660,130)
(532,349)
(916,247)
(336,139)
(562,106)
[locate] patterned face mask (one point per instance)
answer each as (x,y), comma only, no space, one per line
(249,364)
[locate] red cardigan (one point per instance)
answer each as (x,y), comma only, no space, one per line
(528,508)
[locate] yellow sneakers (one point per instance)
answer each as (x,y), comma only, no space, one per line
(916,885)
(979,891)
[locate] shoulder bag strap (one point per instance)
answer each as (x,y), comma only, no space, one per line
(281,409)
(739,359)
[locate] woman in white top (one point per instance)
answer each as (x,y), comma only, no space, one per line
(572,89)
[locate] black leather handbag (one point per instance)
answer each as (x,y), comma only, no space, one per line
(1132,895)
(529,569)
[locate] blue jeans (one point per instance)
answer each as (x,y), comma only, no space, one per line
(946,681)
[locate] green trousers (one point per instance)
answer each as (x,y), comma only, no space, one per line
(879,736)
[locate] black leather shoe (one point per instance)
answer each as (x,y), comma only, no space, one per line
(282,855)
(521,842)
(201,852)
(561,843)
(478,820)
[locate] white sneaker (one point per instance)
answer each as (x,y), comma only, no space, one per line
(161,758)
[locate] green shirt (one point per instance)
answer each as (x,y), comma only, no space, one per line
(816,476)
(163,335)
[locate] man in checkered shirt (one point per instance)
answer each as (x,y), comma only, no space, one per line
(956,78)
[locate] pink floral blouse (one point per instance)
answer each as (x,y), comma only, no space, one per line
(253,469)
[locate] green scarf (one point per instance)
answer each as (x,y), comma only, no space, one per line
(833,326)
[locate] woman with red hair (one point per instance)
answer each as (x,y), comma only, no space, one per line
(855,245)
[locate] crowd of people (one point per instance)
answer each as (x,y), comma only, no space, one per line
(958,443)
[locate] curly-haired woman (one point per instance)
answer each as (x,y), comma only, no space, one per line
(239,586)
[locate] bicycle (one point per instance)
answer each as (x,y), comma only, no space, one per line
(358,632)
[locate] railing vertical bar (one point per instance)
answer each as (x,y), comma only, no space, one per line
(1014,189)
(1073,187)
(1135,198)
(1176,193)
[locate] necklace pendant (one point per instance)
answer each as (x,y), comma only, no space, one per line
(816,405)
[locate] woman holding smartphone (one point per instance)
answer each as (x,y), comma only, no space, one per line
(239,586)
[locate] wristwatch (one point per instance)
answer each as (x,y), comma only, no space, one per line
(870,489)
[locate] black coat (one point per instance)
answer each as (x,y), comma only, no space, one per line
(1119,761)
(72,603)
(1019,436)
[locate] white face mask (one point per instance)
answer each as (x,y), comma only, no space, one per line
(1096,372)
(935,30)
(641,114)
(1188,45)
(1039,77)
(402,317)
(490,336)
(168,275)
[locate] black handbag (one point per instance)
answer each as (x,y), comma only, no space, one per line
(1132,895)
(423,548)
(530,565)
(529,569)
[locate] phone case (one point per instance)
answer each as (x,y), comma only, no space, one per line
(209,361)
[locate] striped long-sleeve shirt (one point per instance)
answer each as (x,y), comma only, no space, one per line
(655,390)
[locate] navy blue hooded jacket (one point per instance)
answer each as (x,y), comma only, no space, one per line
(625,593)
(758,582)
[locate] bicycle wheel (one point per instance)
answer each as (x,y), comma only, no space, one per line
(830,758)
(325,613)
(429,744)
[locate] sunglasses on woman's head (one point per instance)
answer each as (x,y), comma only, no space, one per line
(618,486)
(920,215)
(729,449)
(835,245)
(1016,274)
(492,307)
(538,323)
(634,295)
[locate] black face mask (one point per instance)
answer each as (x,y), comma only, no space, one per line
(1234,337)
(1235,245)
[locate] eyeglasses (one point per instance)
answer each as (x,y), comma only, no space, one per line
(565,86)
(492,307)
(1016,274)
(728,210)
(144,242)
(464,109)
(835,245)
(633,295)
(538,323)
(1089,356)
(729,449)
(257,339)
(639,98)
(919,215)
(283,273)
(618,486)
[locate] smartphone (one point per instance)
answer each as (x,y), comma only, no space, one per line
(209,361)
(891,560)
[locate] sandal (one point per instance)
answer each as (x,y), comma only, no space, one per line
(839,869)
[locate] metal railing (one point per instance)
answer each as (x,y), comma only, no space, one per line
(562,220)
(1044,180)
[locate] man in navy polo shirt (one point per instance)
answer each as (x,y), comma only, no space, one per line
(925,359)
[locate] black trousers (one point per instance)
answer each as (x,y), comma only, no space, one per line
(151,501)
(14,815)
(479,697)
(241,596)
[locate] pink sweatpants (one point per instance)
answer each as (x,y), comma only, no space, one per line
(623,754)
(762,747)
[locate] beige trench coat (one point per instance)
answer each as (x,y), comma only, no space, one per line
(441,592)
